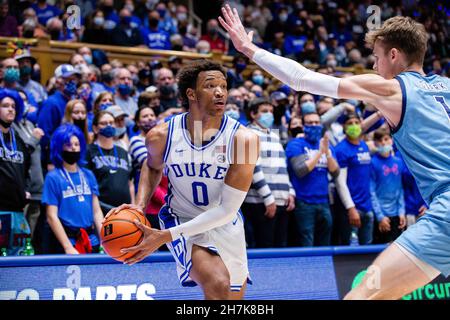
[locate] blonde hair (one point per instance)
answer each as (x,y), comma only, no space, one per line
(68,116)
(404,34)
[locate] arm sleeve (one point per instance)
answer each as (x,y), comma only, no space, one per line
(332,115)
(261,186)
(373,196)
(342,188)
(298,163)
(297,76)
(232,200)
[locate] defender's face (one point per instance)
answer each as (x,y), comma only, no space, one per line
(384,62)
(211,92)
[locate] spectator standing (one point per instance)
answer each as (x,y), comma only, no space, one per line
(15,160)
(110,164)
(76,114)
(153,36)
(71,196)
(52,109)
(271,195)
(124,34)
(310,159)
(386,188)
(45,11)
(123,98)
(213,38)
(353,183)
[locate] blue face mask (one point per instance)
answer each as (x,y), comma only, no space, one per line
(266,119)
(384,149)
(233,114)
(240,67)
(87,58)
(258,79)
(124,89)
(308,107)
(108,131)
(104,106)
(70,88)
(120,131)
(11,75)
(313,133)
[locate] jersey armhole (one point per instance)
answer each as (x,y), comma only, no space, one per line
(168,140)
(403,88)
(231,143)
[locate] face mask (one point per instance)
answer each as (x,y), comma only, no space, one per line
(70,88)
(11,75)
(353,131)
(153,23)
(313,133)
(258,94)
(308,107)
(213,31)
(104,106)
(5,124)
(182,16)
(266,120)
(99,21)
(283,17)
(120,131)
(124,89)
(85,94)
(135,79)
(258,79)
(80,123)
(147,126)
(87,58)
(162,12)
(240,67)
(167,91)
(130,7)
(107,77)
(384,149)
(108,131)
(233,114)
(25,71)
(296,131)
(125,20)
(71,157)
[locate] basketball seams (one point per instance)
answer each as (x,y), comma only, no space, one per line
(117,257)
(124,235)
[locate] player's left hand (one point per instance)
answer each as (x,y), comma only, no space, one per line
(153,239)
(402,222)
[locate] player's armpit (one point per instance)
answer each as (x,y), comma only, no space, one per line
(385,95)
(245,153)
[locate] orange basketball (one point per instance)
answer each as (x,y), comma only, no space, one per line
(119,231)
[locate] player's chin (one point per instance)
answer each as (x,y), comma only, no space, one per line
(219,108)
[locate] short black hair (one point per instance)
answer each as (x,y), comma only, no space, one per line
(187,77)
(255,103)
(351,115)
(380,133)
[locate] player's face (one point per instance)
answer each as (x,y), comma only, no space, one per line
(212,92)
(388,63)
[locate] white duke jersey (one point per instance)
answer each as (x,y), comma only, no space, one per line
(196,174)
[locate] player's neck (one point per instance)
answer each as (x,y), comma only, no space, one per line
(105,143)
(416,68)
(202,127)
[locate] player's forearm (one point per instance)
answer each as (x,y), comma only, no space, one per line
(149,180)
(295,75)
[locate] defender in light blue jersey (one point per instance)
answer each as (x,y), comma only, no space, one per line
(417,109)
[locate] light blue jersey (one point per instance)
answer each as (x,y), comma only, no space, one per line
(423,134)
(423,138)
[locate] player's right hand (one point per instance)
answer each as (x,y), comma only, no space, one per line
(121,207)
(354,218)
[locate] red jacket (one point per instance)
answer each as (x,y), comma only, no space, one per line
(157,200)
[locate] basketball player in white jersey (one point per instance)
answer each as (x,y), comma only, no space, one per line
(209,160)
(417,108)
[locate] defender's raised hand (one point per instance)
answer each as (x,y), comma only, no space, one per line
(242,40)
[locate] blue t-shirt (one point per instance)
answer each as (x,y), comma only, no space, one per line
(413,198)
(159,40)
(47,13)
(71,210)
(358,161)
(386,186)
(313,187)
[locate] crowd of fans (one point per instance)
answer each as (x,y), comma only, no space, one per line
(72,149)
